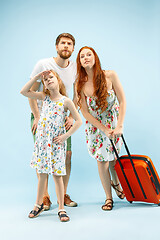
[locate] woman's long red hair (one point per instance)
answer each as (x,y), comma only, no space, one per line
(99,81)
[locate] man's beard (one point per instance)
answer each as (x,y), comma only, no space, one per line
(64,55)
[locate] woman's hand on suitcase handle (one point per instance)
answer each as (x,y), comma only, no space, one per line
(117,132)
(108,132)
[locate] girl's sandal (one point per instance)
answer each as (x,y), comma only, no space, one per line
(121,195)
(63,215)
(36,212)
(108,205)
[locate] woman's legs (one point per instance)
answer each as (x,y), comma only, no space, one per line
(113,172)
(103,168)
(115,180)
(59,186)
(42,178)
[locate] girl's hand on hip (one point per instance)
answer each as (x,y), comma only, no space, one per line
(60,139)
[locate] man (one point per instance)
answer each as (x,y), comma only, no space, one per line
(66,69)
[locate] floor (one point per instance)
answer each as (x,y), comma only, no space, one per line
(126,221)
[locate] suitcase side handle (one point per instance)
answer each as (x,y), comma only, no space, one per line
(130,158)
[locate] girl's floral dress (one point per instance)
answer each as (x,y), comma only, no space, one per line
(49,157)
(99,145)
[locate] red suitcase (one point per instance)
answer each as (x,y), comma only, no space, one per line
(138,177)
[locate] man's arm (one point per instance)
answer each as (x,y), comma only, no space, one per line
(69,120)
(34,107)
(75,95)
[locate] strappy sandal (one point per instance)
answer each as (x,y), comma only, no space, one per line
(63,215)
(36,212)
(121,195)
(108,206)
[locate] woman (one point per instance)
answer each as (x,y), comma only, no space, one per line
(98,92)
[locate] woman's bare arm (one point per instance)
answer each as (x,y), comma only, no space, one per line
(118,89)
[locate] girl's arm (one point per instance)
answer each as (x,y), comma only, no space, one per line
(90,118)
(27,92)
(117,87)
(69,105)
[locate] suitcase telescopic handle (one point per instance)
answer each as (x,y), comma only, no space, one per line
(121,166)
(130,158)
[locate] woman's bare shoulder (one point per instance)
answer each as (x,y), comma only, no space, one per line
(109,78)
(109,73)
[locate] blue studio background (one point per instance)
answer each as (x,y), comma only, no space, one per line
(126,36)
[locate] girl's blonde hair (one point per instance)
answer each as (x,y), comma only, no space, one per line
(62,88)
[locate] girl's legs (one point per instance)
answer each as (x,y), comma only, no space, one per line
(42,178)
(46,186)
(115,179)
(59,186)
(46,198)
(103,168)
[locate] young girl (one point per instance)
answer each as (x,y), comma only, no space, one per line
(50,145)
(98,92)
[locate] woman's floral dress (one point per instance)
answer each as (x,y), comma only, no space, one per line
(99,145)
(49,157)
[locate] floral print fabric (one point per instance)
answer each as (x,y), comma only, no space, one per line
(99,145)
(49,157)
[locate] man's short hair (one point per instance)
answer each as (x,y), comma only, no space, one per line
(67,35)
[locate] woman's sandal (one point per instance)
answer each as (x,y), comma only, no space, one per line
(121,195)
(63,215)
(108,205)
(36,212)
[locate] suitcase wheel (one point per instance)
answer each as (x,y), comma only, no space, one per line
(130,201)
